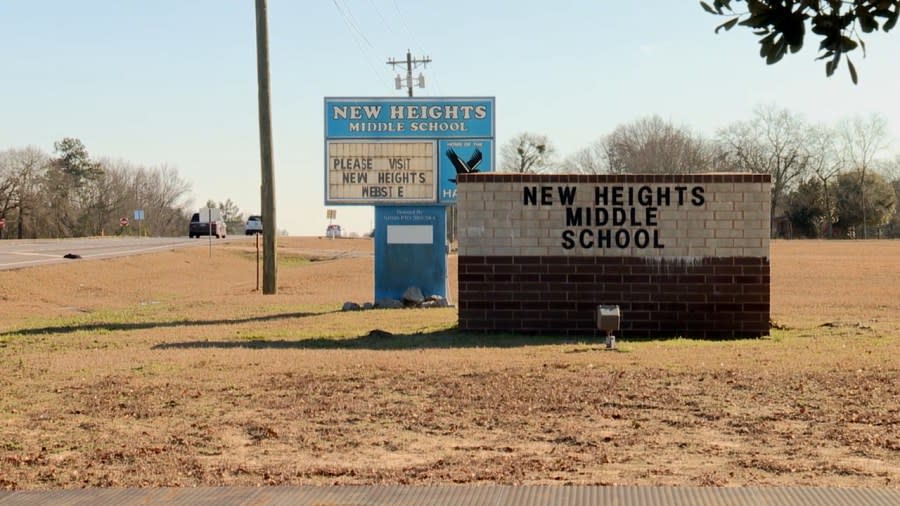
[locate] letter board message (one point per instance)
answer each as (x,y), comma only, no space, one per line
(385,171)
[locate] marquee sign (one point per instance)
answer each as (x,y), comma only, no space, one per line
(388,151)
(380,171)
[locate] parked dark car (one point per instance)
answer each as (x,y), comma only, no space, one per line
(200,227)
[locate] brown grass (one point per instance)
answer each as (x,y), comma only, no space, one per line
(171,370)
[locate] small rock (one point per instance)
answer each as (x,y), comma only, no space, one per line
(368,305)
(413,295)
(437,301)
(350,306)
(71,256)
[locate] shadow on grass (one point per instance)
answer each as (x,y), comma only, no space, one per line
(382,340)
(109,326)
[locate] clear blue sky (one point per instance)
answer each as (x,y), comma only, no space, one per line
(174,81)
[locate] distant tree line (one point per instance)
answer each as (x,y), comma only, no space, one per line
(827,181)
(70,194)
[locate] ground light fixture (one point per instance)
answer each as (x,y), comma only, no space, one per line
(608,317)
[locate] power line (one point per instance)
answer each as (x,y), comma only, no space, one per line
(378,11)
(402,21)
(351,22)
(356,35)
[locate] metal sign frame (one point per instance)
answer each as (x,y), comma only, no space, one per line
(385,119)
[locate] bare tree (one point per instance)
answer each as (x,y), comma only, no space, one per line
(8,184)
(169,196)
(21,170)
(161,194)
(115,196)
(652,145)
(590,160)
(528,152)
(774,142)
(863,139)
(826,161)
(890,169)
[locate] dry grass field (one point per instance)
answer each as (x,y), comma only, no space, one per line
(171,370)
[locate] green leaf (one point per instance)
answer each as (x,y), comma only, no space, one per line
(776,52)
(866,20)
(869,25)
(762,20)
(848,44)
(765,45)
(728,25)
(829,43)
(707,8)
(889,24)
(832,65)
(722,4)
(853,75)
(883,8)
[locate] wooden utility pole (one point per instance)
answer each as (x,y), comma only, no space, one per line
(410,63)
(267,192)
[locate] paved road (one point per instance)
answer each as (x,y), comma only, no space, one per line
(482,495)
(16,254)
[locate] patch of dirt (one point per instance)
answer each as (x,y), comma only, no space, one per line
(175,371)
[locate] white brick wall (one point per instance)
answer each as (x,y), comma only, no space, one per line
(732,221)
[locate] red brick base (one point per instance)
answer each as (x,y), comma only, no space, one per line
(558,295)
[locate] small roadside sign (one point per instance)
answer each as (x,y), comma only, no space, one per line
(123,222)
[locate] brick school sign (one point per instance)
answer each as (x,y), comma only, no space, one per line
(680,254)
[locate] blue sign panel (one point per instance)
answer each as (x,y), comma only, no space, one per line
(410,250)
(390,151)
(409,118)
(461,157)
